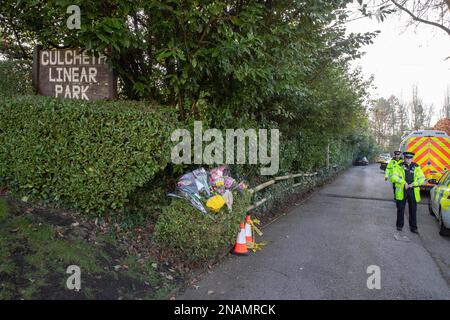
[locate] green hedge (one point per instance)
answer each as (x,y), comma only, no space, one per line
(189,235)
(88,155)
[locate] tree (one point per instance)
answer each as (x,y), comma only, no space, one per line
(389,121)
(381,113)
(430,12)
(420,114)
(443,125)
(230,63)
(445,111)
(403,121)
(249,57)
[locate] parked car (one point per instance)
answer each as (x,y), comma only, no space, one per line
(383,160)
(384,157)
(361,161)
(439,203)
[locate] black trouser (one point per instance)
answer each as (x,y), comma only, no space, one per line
(412,206)
(393,187)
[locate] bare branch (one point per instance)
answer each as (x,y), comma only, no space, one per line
(448,3)
(416,18)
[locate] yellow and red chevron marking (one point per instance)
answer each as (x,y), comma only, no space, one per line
(445,142)
(441,149)
(419,147)
(416,144)
(438,157)
(431,153)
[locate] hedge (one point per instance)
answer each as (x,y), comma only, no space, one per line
(87,155)
(189,235)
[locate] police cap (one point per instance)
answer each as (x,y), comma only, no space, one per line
(408,154)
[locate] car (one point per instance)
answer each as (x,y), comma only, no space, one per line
(383,164)
(383,160)
(384,157)
(439,203)
(361,161)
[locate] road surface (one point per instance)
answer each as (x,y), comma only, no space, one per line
(321,249)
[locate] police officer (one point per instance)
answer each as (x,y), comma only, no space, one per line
(407,178)
(395,161)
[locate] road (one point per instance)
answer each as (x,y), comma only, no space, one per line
(321,249)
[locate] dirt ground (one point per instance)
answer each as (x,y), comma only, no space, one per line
(39,243)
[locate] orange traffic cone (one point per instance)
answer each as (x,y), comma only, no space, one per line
(240,248)
(248,229)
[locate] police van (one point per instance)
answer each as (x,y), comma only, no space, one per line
(432,153)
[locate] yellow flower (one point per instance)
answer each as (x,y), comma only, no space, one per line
(215,203)
(220,183)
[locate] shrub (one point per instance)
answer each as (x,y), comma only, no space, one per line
(188,234)
(15,78)
(88,155)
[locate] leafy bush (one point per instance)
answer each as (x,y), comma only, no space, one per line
(88,155)
(145,203)
(189,235)
(15,78)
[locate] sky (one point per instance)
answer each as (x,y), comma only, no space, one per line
(402,57)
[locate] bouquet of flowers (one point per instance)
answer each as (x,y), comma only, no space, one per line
(214,188)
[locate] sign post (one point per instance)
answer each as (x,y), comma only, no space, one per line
(72,74)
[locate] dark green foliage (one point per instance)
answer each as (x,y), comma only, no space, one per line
(187,233)
(232,64)
(144,203)
(15,78)
(281,64)
(89,155)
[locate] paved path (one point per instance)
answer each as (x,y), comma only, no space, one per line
(322,248)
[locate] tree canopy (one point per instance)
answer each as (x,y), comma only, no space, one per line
(284,63)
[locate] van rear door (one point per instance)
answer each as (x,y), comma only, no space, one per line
(432,154)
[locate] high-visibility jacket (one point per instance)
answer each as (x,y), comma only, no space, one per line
(390,167)
(398,178)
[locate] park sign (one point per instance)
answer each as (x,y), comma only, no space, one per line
(73,74)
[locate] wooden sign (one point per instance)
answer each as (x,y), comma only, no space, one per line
(72,74)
